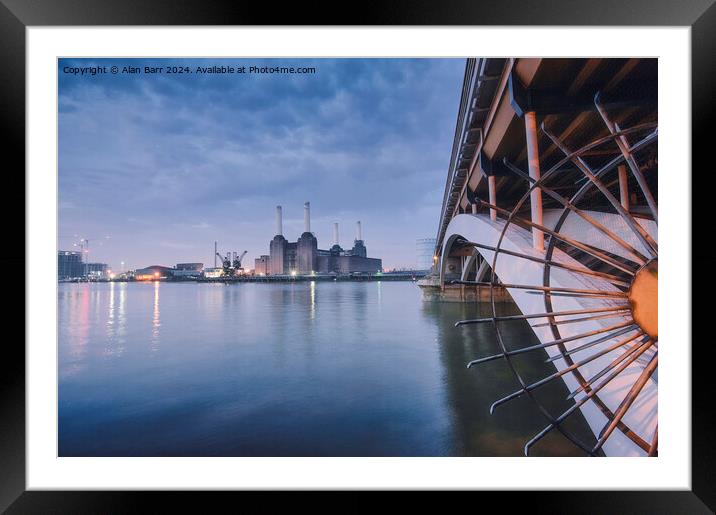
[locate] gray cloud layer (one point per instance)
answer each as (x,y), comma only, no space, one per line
(165,165)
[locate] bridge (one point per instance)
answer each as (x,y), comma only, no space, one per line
(550,203)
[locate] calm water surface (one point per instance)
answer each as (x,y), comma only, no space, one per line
(303,369)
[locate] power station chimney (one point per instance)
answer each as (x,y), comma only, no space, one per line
(279,221)
(335,233)
(307,217)
(359,231)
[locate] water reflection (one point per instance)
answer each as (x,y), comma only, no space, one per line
(470,392)
(115,318)
(359,301)
(111,328)
(110,314)
(307,311)
(292,369)
(156,322)
(78,312)
(121,317)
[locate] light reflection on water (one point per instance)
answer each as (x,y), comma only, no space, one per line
(303,369)
(156,322)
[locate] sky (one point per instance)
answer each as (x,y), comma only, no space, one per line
(153,168)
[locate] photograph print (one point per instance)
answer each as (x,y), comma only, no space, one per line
(357,257)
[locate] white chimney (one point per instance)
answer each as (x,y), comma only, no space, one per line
(279,221)
(307,217)
(335,233)
(359,232)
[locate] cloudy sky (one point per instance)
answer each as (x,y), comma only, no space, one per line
(154,168)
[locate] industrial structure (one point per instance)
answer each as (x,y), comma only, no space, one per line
(71,266)
(551,202)
(424,251)
(231,263)
(262,265)
(304,257)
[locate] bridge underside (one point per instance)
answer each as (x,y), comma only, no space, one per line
(493,123)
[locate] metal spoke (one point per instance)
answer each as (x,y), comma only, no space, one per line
(557,374)
(586,271)
(580,319)
(542,315)
(616,258)
(638,230)
(623,328)
(583,400)
(620,140)
(629,399)
(577,295)
(585,346)
(567,204)
(648,139)
(653,447)
(558,167)
(611,366)
(580,246)
(615,293)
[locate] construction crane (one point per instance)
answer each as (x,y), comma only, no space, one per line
(237,261)
(85,248)
(231,263)
(225,263)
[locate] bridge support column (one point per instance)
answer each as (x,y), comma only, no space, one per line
(623,187)
(533,162)
(492,191)
(482,271)
(468,265)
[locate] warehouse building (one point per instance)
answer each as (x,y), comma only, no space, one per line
(153,273)
(188,270)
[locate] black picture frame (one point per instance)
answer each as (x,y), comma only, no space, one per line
(17,15)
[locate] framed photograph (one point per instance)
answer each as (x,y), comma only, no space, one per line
(416,253)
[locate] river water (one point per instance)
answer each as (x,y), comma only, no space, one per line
(302,369)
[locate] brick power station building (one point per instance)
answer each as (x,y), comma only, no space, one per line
(304,257)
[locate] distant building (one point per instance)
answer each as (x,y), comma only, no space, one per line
(262,265)
(153,273)
(213,272)
(96,270)
(304,257)
(277,251)
(70,265)
(190,266)
(188,270)
(307,253)
(425,250)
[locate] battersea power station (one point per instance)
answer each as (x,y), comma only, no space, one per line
(304,257)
